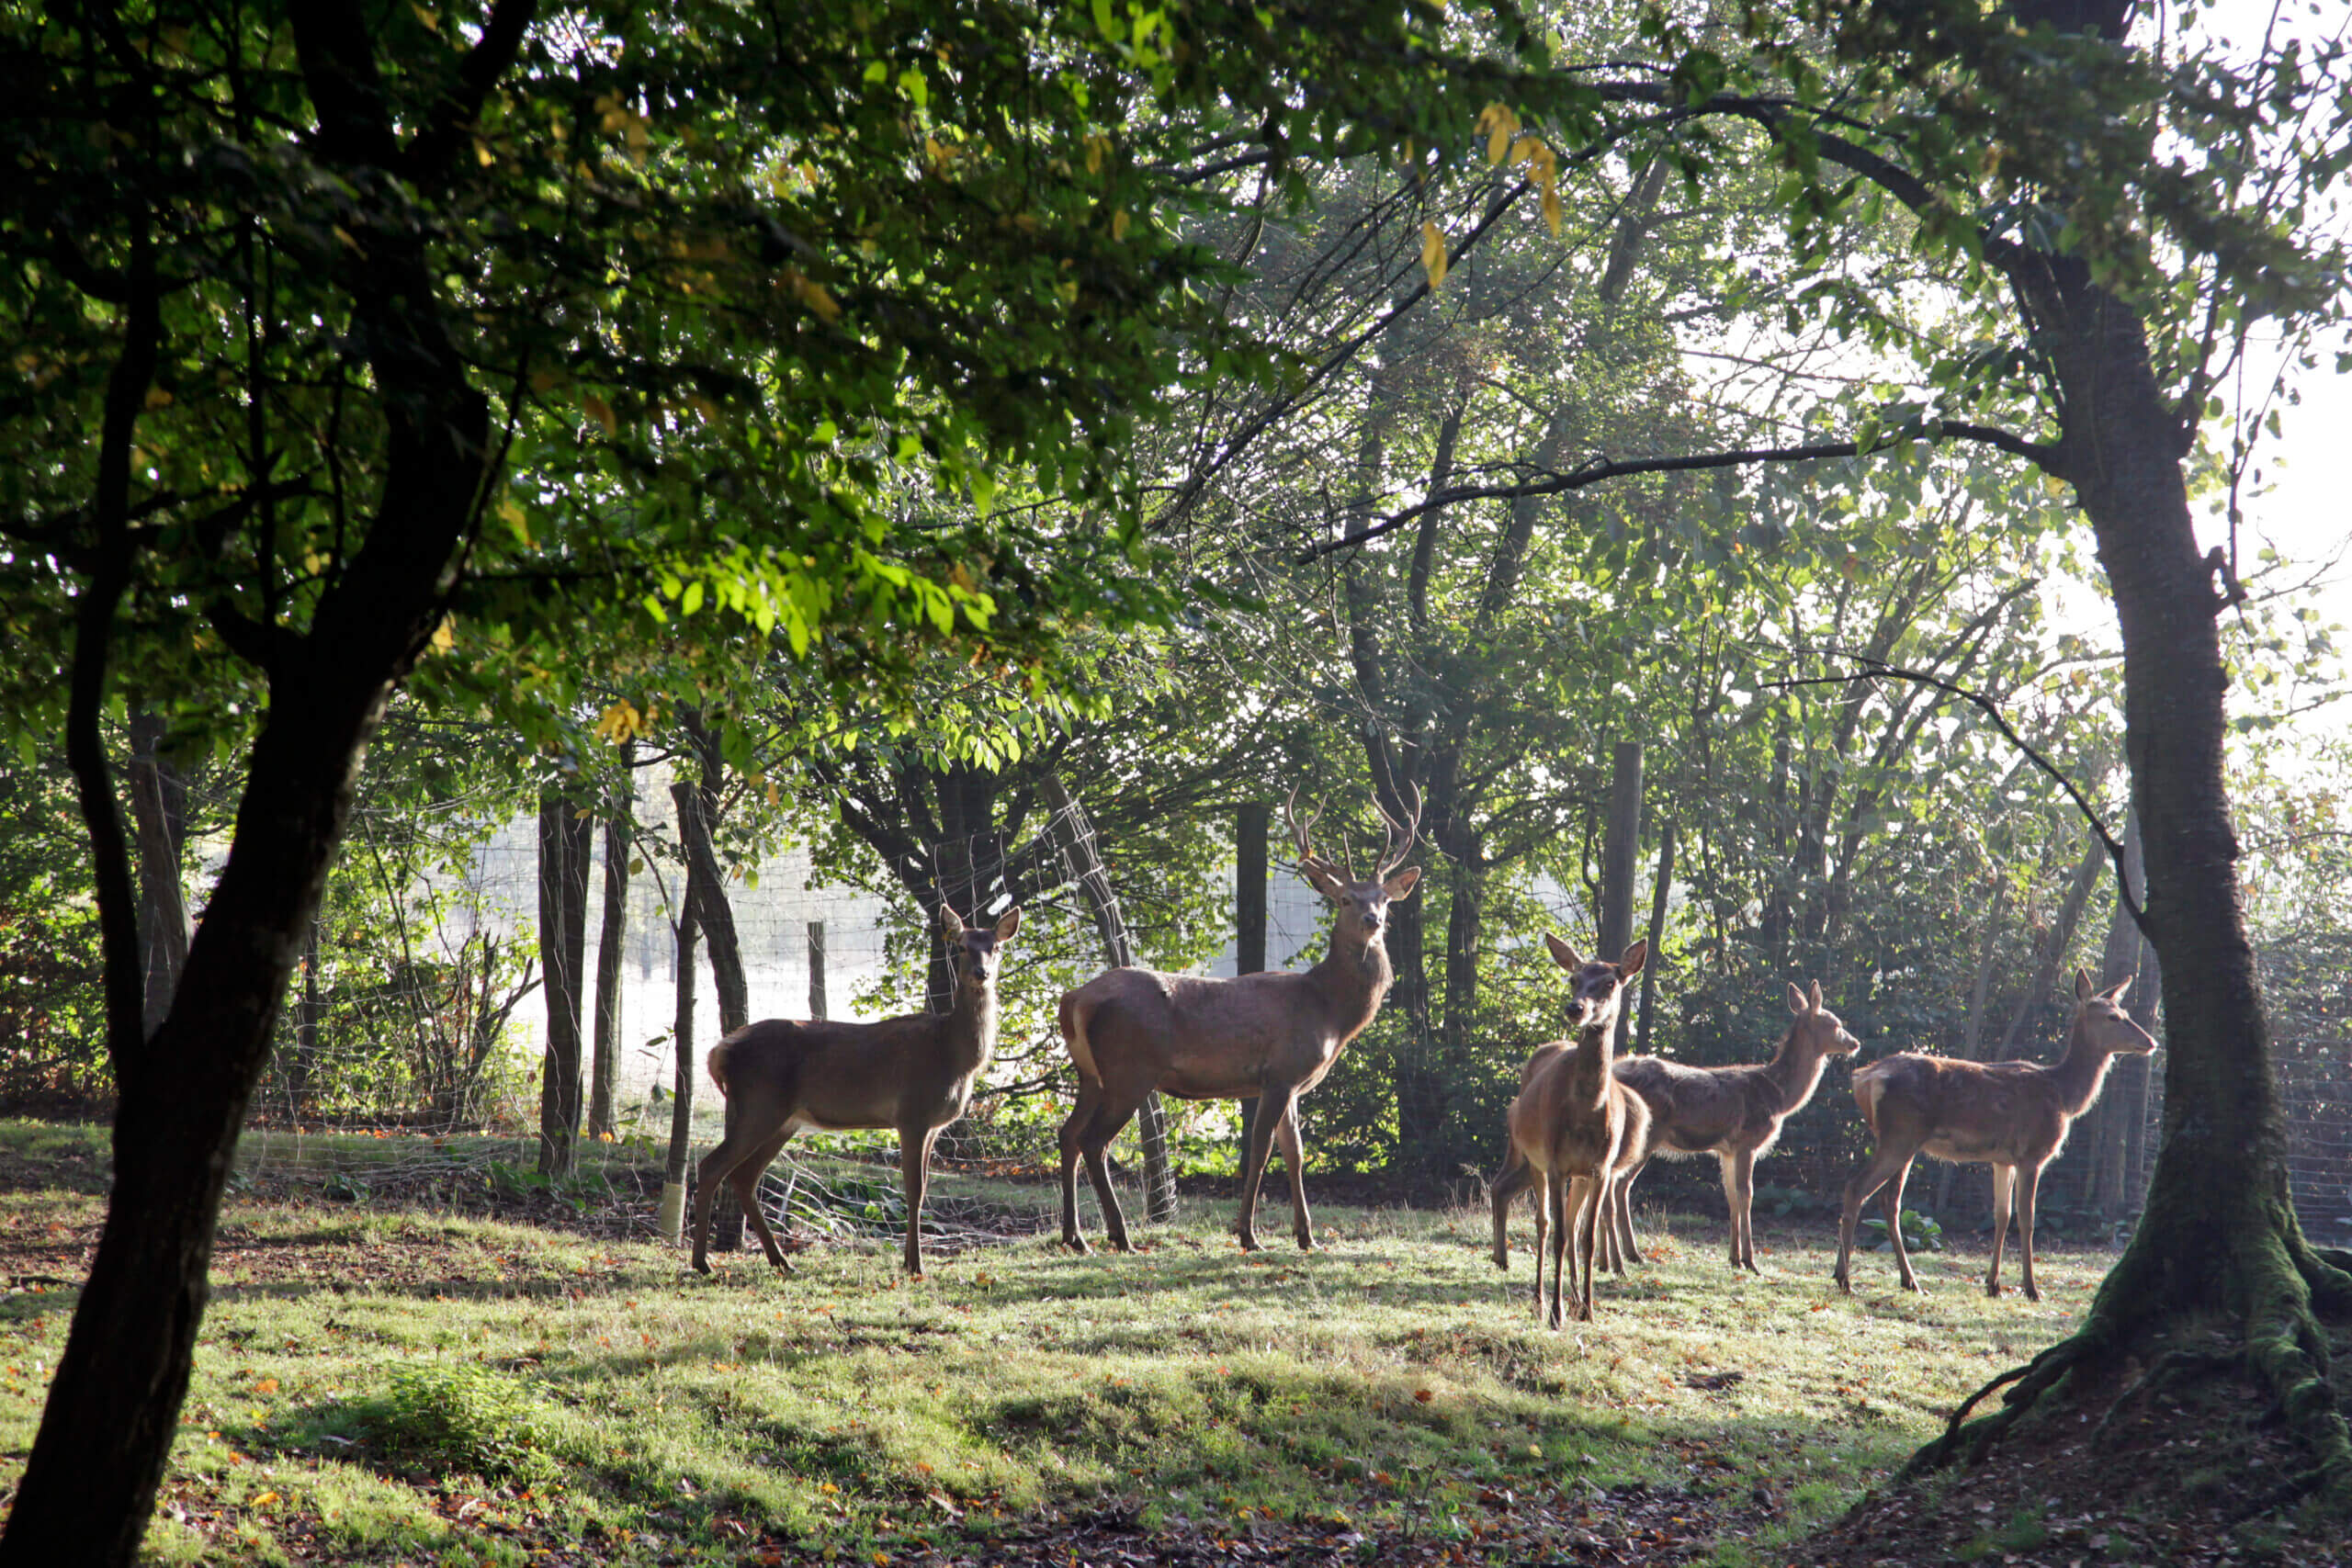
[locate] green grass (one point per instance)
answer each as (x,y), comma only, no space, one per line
(362,1364)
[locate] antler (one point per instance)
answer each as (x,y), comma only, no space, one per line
(1400,835)
(1309,862)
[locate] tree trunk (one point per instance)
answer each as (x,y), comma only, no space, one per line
(1657,933)
(113,1407)
(2051,957)
(682,1078)
(1250,826)
(706,900)
(158,813)
(2219,1232)
(563,910)
(1972,1041)
(611,941)
(1620,856)
(697,803)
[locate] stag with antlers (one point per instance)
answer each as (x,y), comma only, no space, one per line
(913,1073)
(2013,1116)
(1268,1037)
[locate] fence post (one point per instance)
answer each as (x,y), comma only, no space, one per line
(1075,838)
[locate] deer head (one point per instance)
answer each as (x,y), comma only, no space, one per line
(1818,1026)
(1596,988)
(2101,1022)
(1362,905)
(972,949)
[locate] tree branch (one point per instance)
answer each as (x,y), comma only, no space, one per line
(1876,669)
(1600,468)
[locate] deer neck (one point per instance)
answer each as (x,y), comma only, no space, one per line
(1596,1048)
(1794,1071)
(970,1034)
(2079,1073)
(1355,978)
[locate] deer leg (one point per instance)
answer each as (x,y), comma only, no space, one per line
(1507,1185)
(1624,1246)
(745,1179)
(915,1179)
(1739,1192)
(1882,1164)
(1556,1209)
(1302,1225)
(1108,1120)
(2028,1187)
(2004,1184)
(735,1148)
(1894,1228)
(1253,1171)
(1089,1097)
(1590,1195)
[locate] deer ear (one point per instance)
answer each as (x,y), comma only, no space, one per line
(951,924)
(2115,993)
(1635,956)
(2082,986)
(1813,998)
(1797,1000)
(1562,954)
(1008,923)
(1401,885)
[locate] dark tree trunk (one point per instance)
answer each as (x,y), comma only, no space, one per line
(159,815)
(1655,963)
(564,840)
(1250,912)
(1620,858)
(697,803)
(612,939)
(113,1407)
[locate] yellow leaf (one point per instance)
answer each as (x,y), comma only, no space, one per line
(444,636)
(510,512)
(814,295)
(158,399)
(483,154)
(1552,211)
(601,411)
(267,1385)
(1500,127)
(1433,256)
(264,1500)
(1119,224)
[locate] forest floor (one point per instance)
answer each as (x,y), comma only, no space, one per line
(417,1355)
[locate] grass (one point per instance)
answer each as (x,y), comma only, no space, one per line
(380,1382)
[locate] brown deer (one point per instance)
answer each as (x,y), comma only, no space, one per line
(1569,1123)
(1734,1113)
(914,1073)
(2010,1115)
(1268,1037)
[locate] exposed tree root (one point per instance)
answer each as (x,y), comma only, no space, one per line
(2172,1367)
(2283,1287)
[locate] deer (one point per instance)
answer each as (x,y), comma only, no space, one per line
(913,1073)
(2010,1115)
(1270,1036)
(1734,1113)
(1570,1122)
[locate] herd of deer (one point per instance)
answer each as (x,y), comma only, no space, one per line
(1586,1121)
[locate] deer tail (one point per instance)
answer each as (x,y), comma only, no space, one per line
(1870,1085)
(716,1061)
(1072,1016)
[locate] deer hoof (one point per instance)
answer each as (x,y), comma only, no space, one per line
(1306,1244)
(702,1264)
(1077,1244)
(2032,1294)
